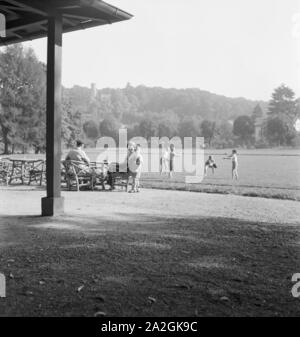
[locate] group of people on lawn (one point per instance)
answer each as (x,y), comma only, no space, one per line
(134,160)
(168,155)
(132,164)
(211,164)
(166,159)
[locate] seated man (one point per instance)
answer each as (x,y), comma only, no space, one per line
(79,156)
(82,163)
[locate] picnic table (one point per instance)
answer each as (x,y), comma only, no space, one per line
(24,171)
(28,170)
(5,169)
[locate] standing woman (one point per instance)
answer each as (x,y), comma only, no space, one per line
(163,159)
(138,163)
(234,160)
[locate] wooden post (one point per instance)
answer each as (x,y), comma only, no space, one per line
(53,204)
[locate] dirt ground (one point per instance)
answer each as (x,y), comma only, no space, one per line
(156,253)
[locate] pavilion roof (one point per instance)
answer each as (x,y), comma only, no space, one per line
(27,19)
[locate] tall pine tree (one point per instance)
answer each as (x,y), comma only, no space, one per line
(283,102)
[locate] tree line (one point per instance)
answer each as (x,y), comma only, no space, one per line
(145,112)
(276,126)
(23,104)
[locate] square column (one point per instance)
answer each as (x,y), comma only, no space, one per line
(53,204)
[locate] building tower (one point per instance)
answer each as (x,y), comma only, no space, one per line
(93,91)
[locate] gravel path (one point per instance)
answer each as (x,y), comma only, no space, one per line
(15,201)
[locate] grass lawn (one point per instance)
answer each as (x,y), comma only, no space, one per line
(266,173)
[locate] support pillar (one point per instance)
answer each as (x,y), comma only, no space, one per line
(53,204)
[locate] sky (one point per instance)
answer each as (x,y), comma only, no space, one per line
(233,48)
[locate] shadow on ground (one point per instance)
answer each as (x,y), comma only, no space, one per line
(147,266)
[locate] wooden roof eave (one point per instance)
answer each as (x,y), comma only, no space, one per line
(28,18)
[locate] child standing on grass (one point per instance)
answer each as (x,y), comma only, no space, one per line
(135,162)
(234,160)
(172,156)
(139,163)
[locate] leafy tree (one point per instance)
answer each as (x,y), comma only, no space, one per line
(11,62)
(9,125)
(33,95)
(188,128)
(109,127)
(133,131)
(147,129)
(133,101)
(276,131)
(120,104)
(223,135)
(297,107)
(167,124)
(22,97)
(243,128)
(71,122)
(80,97)
(208,130)
(165,130)
(91,130)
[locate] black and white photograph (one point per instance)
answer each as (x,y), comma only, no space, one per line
(149,161)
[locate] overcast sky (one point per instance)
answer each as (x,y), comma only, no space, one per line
(233,47)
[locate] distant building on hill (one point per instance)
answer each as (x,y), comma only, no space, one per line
(93,91)
(260,126)
(259,119)
(105,97)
